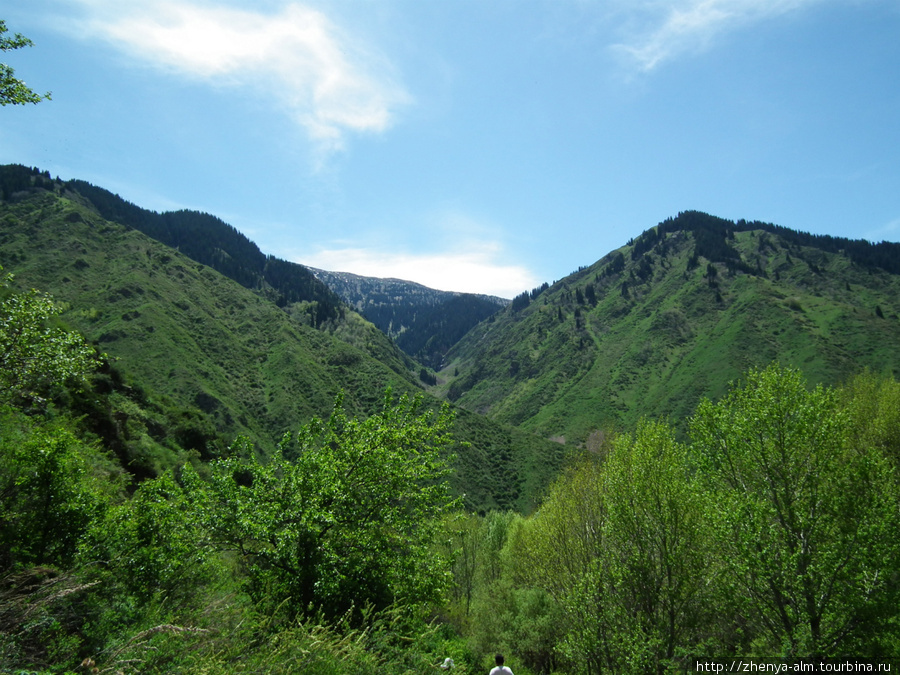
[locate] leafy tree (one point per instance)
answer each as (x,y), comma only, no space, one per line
(341,517)
(464,539)
(49,492)
(561,553)
(873,404)
(12,90)
(149,544)
(806,521)
(658,549)
(623,545)
(35,358)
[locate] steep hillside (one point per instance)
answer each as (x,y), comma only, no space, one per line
(186,333)
(424,322)
(674,316)
(208,240)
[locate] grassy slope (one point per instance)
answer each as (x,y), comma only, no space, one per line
(180,327)
(186,332)
(675,337)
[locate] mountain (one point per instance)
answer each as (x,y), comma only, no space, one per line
(252,345)
(190,340)
(423,321)
(675,315)
(212,242)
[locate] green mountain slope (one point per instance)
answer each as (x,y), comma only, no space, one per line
(212,242)
(423,321)
(674,316)
(189,335)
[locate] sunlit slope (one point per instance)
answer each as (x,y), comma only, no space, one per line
(184,331)
(179,326)
(674,316)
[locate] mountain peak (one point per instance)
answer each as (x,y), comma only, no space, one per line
(675,315)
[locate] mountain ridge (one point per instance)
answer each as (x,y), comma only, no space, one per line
(424,322)
(210,241)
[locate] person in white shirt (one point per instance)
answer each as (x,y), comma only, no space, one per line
(500,669)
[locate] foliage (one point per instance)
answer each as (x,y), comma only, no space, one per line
(341,517)
(14,91)
(147,587)
(150,544)
(770,534)
(657,547)
(500,613)
(872,404)
(649,552)
(807,520)
(51,488)
(36,358)
(771,531)
(622,546)
(463,548)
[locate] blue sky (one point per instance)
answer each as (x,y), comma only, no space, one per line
(470,145)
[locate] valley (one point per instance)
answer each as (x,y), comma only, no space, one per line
(688,448)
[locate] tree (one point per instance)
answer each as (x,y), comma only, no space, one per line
(50,491)
(36,358)
(658,548)
(561,553)
(342,517)
(623,545)
(873,404)
(806,520)
(12,90)
(463,541)
(149,546)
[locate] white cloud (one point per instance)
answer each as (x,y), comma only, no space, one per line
(329,82)
(475,269)
(670,28)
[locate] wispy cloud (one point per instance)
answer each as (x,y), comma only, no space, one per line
(471,270)
(660,30)
(887,232)
(328,81)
